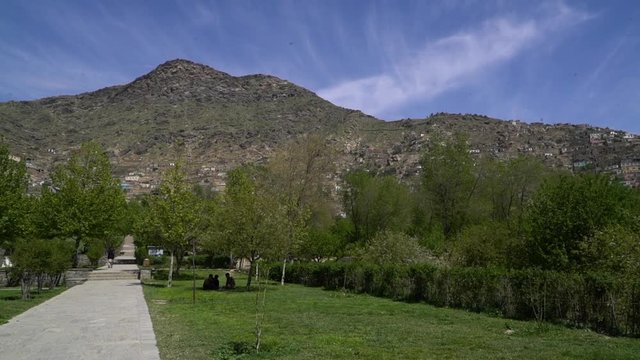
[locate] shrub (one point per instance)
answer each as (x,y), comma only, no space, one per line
(598,300)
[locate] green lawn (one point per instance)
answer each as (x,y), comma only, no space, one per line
(12,305)
(310,323)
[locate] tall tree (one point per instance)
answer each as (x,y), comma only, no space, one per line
(510,184)
(375,204)
(253,222)
(568,210)
(175,216)
(297,176)
(13,206)
(85,202)
(449,182)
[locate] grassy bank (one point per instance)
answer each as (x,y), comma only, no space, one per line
(11,303)
(309,323)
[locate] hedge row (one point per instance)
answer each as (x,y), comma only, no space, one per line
(599,301)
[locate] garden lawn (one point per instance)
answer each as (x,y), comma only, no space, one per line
(310,323)
(11,303)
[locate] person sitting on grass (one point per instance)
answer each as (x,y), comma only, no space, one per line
(231,283)
(208,283)
(215,283)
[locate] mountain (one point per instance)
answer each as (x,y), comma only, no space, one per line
(218,121)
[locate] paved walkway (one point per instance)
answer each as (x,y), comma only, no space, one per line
(106,319)
(96,320)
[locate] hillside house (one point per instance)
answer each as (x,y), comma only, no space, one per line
(581,164)
(14,158)
(596,139)
(630,166)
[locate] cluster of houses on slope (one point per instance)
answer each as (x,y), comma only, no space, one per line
(141,182)
(602,138)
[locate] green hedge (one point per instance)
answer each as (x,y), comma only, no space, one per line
(603,302)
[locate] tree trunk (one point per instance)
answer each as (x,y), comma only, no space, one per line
(40,281)
(170,279)
(179,258)
(25,286)
(251,268)
(55,280)
(284,270)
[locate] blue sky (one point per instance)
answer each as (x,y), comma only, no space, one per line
(551,61)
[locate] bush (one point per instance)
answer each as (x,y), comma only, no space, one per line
(601,301)
(209,262)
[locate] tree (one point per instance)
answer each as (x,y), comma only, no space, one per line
(375,204)
(35,258)
(174,216)
(13,205)
(320,244)
(486,244)
(449,183)
(84,202)
(614,249)
(569,209)
(253,223)
(388,247)
(510,184)
(296,178)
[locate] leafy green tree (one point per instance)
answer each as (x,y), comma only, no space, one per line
(35,258)
(388,247)
(13,205)
(253,223)
(489,243)
(569,209)
(614,249)
(321,244)
(449,183)
(296,177)
(510,184)
(174,217)
(376,204)
(85,201)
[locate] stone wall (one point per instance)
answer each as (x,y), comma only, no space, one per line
(4,278)
(74,277)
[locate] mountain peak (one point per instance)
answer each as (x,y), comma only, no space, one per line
(186,67)
(177,80)
(182,80)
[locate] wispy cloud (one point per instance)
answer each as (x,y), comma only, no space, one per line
(447,63)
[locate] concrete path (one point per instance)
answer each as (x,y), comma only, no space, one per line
(127,252)
(96,320)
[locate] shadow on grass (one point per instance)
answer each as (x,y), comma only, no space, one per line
(154,285)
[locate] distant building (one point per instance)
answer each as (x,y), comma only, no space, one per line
(155,251)
(630,166)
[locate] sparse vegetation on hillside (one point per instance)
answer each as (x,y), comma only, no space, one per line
(224,121)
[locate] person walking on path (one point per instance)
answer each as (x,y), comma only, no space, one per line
(111,254)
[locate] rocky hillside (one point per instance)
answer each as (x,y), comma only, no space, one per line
(217,121)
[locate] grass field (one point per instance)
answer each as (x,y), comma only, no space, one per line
(12,305)
(310,323)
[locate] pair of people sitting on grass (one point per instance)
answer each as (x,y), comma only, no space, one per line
(212,282)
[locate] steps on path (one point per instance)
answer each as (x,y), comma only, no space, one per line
(117,272)
(127,252)
(125,260)
(124,265)
(113,275)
